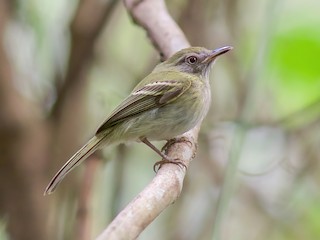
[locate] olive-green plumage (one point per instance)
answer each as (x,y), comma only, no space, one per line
(168,102)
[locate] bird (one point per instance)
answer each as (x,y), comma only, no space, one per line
(168,102)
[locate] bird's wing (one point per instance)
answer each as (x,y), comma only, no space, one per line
(148,97)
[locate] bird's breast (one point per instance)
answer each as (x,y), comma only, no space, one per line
(181,115)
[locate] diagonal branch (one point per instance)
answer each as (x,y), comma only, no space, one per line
(163,190)
(162,30)
(166,187)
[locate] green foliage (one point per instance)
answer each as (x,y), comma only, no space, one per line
(294,67)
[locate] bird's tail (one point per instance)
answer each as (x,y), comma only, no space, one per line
(74,161)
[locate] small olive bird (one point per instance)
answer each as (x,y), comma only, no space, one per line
(168,102)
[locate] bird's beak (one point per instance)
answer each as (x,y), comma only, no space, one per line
(217,52)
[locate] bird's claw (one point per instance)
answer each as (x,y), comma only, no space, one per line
(176,161)
(175,140)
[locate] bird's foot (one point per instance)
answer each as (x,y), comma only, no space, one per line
(176,161)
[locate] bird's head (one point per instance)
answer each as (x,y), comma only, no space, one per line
(194,60)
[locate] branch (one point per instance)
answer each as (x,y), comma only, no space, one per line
(68,113)
(85,28)
(22,140)
(83,223)
(166,187)
(164,190)
(162,30)
(69,110)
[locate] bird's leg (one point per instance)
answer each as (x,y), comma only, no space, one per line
(149,144)
(165,158)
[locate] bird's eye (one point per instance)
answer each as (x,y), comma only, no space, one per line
(192,59)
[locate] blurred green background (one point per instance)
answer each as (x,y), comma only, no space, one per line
(64,65)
